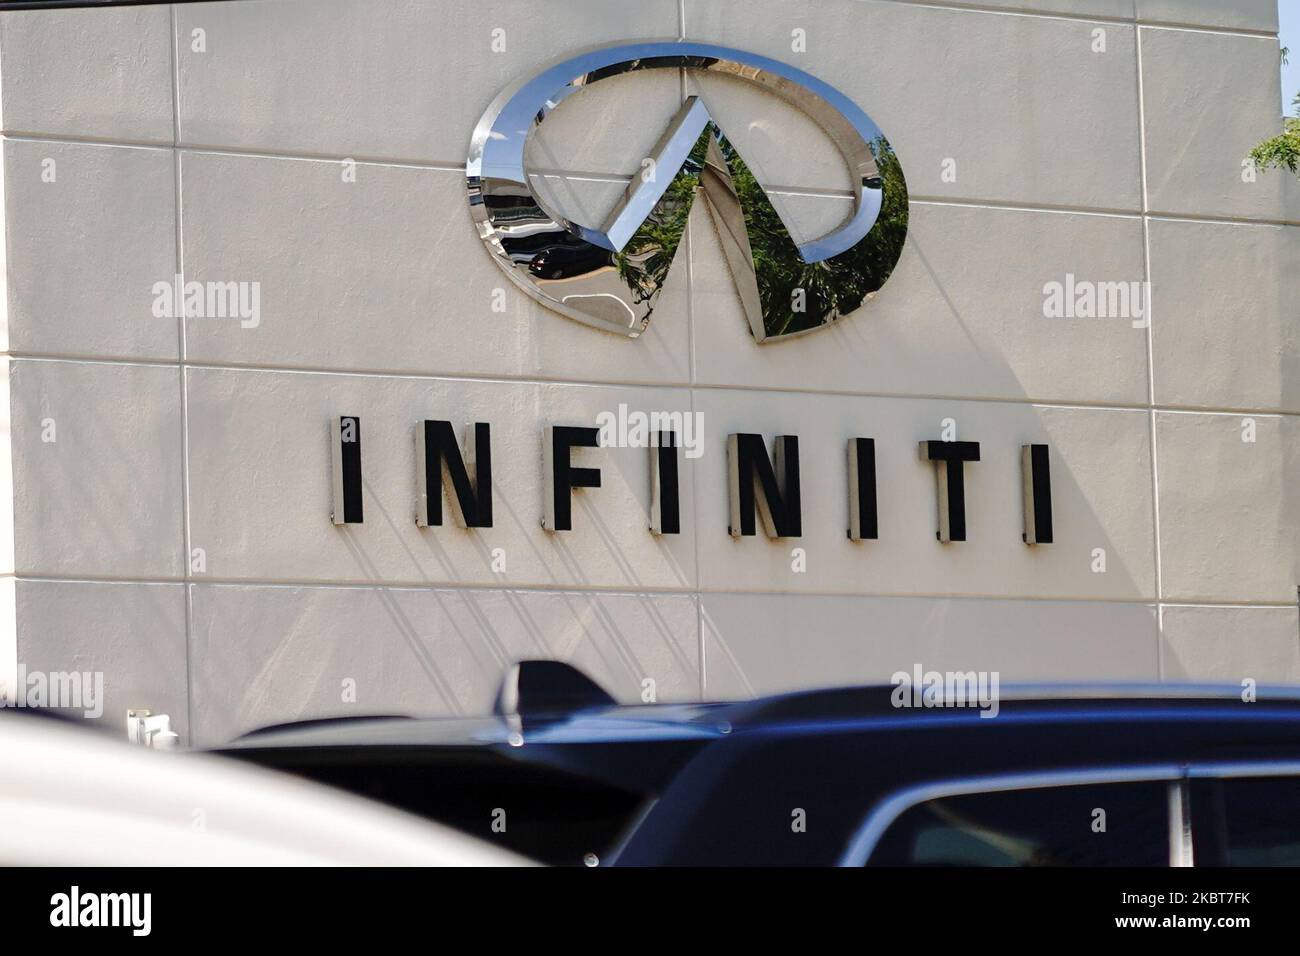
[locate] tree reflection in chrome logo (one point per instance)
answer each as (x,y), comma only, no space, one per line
(610,277)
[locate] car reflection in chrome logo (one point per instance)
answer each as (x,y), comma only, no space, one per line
(611,276)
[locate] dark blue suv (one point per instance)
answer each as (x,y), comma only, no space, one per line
(1164,775)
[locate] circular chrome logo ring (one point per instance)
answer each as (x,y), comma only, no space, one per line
(610,276)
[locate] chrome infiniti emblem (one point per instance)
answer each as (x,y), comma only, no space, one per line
(610,276)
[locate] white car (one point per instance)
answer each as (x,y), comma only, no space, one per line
(71,797)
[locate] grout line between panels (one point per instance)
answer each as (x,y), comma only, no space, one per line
(1151,366)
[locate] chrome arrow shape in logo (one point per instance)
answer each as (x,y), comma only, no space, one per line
(610,275)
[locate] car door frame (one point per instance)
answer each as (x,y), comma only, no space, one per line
(883,815)
(1177,774)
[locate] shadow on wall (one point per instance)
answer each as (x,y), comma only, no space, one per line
(270,654)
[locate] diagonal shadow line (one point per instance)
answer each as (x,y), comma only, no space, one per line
(405,628)
(496,646)
(399,619)
(943,291)
(721,642)
(629,572)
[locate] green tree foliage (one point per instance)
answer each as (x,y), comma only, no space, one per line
(1284,150)
(795,295)
(835,286)
(643,264)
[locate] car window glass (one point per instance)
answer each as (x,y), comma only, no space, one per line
(1124,824)
(1247,821)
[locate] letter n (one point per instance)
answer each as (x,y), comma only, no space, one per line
(754,482)
(439,462)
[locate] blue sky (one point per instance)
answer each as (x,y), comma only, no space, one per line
(1289,27)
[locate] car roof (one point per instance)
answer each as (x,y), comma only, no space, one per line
(843,707)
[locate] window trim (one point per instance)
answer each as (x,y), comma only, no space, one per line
(884,813)
(1228,770)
